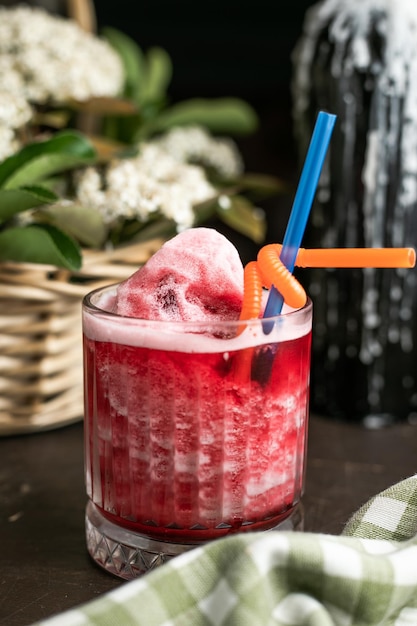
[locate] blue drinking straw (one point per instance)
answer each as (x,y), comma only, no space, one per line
(303,202)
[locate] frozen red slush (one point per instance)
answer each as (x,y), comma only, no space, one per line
(182,443)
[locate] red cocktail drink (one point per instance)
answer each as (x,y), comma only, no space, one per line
(193,430)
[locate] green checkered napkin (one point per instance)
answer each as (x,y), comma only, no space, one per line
(367,576)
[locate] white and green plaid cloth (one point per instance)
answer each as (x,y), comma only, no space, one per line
(367,576)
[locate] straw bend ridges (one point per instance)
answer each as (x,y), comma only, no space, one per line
(274,272)
(269,270)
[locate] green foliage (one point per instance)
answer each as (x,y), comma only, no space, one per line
(37,177)
(84,224)
(36,162)
(39,244)
(133,62)
(148,76)
(14,201)
(222,115)
(242,217)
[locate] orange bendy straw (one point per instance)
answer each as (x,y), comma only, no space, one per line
(269,270)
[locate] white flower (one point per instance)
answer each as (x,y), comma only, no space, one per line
(8,142)
(193,144)
(14,113)
(53,59)
(14,110)
(135,188)
(48,59)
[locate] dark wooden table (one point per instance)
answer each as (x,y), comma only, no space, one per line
(44,566)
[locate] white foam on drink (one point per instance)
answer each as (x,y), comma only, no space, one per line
(197,274)
(161,335)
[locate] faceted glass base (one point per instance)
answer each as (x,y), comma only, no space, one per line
(128,554)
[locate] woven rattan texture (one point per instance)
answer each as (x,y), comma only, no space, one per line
(41,384)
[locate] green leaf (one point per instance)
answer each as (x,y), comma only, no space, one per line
(263,185)
(132,58)
(219,115)
(42,167)
(158,75)
(205,210)
(238,213)
(161,227)
(13,201)
(65,150)
(108,149)
(84,224)
(39,244)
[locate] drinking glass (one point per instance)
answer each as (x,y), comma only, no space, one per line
(192,431)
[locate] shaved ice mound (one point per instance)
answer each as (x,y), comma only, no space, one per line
(195,276)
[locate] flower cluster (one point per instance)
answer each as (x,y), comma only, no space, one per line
(15,112)
(142,167)
(48,59)
(163,178)
(195,145)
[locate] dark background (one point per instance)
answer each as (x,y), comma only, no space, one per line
(224,49)
(218,48)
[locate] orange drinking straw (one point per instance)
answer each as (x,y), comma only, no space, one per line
(348,257)
(274,272)
(269,269)
(356,257)
(252,290)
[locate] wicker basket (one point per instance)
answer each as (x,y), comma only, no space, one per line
(41,383)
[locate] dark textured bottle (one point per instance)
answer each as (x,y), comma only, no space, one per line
(359,61)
